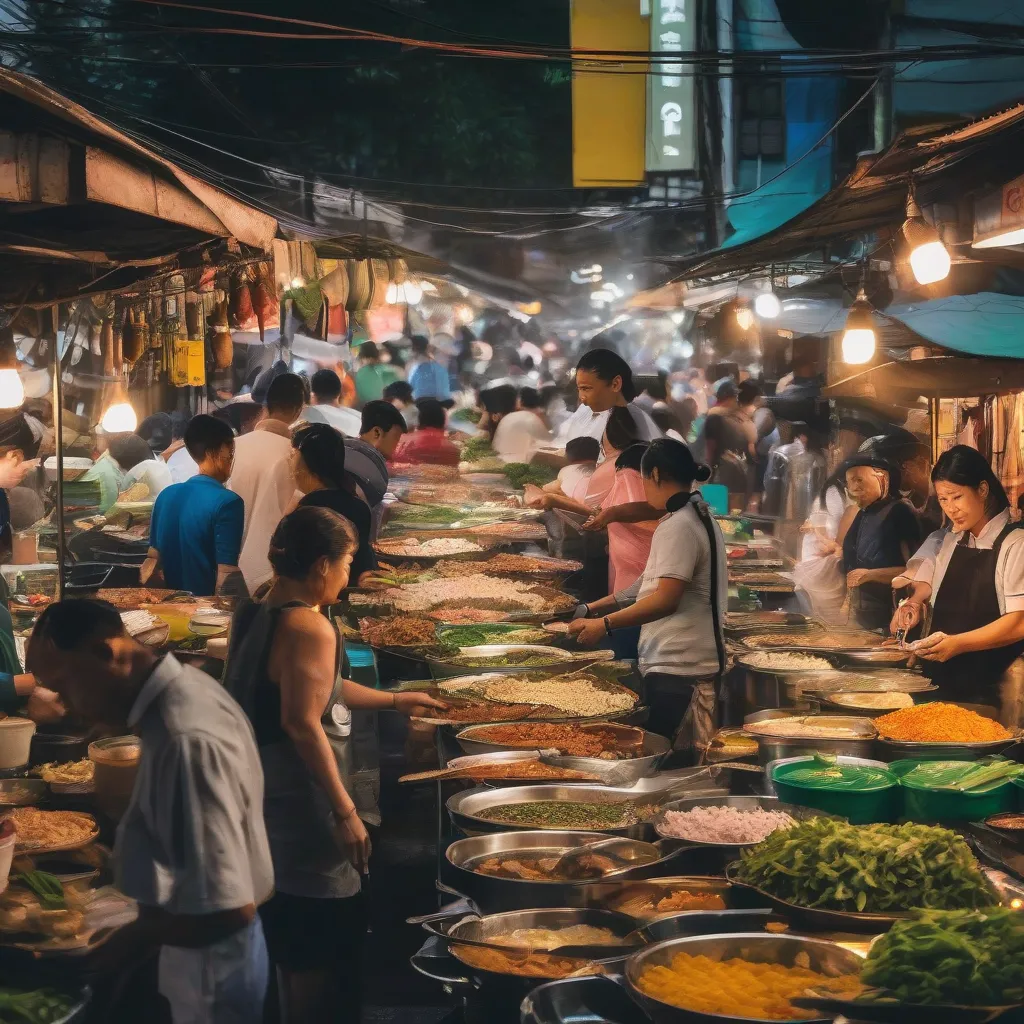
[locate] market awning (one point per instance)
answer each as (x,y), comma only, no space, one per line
(984,324)
(934,377)
(85,207)
(873,197)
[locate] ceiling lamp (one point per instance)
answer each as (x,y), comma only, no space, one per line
(119,417)
(12,392)
(929,258)
(859,336)
(745,318)
(767,305)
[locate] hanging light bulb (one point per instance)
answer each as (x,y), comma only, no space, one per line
(859,336)
(767,305)
(119,417)
(391,296)
(12,392)
(745,318)
(929,258)
(413,292)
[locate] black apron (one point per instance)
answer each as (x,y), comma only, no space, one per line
(967,600)
(870,545)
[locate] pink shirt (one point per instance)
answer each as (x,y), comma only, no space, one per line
(629,544)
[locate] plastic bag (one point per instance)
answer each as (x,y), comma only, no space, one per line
(820,582)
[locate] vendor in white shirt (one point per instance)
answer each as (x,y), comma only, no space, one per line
(975,583)
(604,380)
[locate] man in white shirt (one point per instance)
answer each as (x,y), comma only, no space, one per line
(254,477)
(519,433)
(191,848)
(327,407)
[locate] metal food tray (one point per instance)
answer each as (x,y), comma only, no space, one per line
(896,750)
(827,958)
(558,658)
(745,803)
(891,1011)
(865,729)
(742,660)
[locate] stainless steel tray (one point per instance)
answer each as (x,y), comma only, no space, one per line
(772,748)
(825,957)
(557,658)
(745,803)
(897,750)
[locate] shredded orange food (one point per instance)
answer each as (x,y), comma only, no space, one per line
(939,723)
(739,988)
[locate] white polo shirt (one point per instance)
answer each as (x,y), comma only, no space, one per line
(931,560)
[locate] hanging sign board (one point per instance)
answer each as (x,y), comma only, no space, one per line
(671,142)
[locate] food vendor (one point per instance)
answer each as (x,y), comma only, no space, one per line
(975,584)
(679,601)
(880,539)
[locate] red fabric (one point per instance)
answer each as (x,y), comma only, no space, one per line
(428,444)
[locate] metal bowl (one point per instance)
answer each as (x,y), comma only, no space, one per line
(637,897)
(744,803)
(825,957)
(468,808)
(898,750)
(773,748)
(21,792)
(491,894)
(484,929)
(592,1000)
(556,658)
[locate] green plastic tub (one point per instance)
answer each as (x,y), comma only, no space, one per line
(869,806)
(925,804)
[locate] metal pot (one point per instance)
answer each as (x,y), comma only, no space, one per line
(581,1001)
(825,957)
(467,809)
(492,894)
(774,748)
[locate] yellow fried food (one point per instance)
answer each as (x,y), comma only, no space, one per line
(738,988)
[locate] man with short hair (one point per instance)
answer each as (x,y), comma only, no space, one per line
(327,407)
(191,848)
(366,457)
(520,433)
(195,532)
(428,443)
(429,379)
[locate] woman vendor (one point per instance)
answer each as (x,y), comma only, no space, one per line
(975,584)
(879,541)
(679,601)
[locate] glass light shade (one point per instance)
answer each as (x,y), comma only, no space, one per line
(745,318)
(767,306)
(930,262)
(12,391)
(858,345)
(119,418)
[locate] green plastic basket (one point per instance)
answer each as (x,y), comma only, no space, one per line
(864,807)
(926,804)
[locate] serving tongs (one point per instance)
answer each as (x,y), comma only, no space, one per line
(672,780)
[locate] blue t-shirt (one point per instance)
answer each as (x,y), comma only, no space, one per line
(429,379)
(196,526)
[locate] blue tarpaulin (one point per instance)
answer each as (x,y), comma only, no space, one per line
(983,324)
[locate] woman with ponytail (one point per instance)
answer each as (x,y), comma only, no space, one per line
(679,601)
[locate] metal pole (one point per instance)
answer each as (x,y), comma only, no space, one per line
(58,438)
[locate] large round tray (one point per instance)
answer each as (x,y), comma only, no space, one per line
(894,1012)
(825,957)
(557,658)
(897,750)
(744,803)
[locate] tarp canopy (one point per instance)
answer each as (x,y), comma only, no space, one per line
(935,377)
(984,324)
(84,207)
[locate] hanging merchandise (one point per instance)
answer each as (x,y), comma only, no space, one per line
(193,311)
(188,366)
(241,300)
(380,277)
(360,286)
(334,285)
(135,336)
(308,304)
(94,340)
(220,338)
(264,299)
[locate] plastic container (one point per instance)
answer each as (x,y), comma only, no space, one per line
(116,763)
(926,804)
(863,807)
(15,741)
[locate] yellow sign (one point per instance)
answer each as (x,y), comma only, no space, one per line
(609,110)
(189,366)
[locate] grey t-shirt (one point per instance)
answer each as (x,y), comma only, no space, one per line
(683,643)
(192,840)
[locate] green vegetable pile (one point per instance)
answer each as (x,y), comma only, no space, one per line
(497,633)
(476,449)
(959,957)
(563,814)
(866,868)
(47,887)
(39,1006)
(520,659)
(439,515)
(520,474)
